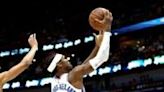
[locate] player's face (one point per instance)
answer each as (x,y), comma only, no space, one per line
(66,63)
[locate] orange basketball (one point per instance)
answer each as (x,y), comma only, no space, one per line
(96,14)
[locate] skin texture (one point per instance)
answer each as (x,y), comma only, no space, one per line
(23,65)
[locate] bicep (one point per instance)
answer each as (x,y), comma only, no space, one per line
(79,71)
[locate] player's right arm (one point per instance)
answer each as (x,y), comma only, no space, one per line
(24,64)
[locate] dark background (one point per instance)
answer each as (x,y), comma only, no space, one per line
(65,20)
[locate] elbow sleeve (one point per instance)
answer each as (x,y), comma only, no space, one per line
(103,52)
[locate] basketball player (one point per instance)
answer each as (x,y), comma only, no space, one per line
(24,64)
(68,79)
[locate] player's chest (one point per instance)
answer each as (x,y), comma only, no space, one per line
(63,86)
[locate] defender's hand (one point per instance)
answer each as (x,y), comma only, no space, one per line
(33,41)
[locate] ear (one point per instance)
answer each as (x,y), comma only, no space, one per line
(59,65)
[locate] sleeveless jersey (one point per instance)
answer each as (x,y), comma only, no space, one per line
(63,85)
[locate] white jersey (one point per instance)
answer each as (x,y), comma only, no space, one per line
(62,85)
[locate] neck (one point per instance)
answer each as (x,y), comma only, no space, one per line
(58,75)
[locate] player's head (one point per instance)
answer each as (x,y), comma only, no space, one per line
(59,64)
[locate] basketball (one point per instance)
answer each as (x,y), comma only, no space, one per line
(96,14)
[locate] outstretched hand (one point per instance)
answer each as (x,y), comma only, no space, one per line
(33,41)
(106,22)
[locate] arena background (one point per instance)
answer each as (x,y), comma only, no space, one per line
(137,45)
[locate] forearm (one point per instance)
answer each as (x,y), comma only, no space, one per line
(92,54)
(104,48)
(19,68)
(27,60)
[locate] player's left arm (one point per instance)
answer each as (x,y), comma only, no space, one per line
(76,75)
(98,39)
(24,64)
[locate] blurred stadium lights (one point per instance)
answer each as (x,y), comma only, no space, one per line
(88,39)
(68,44)
(72,55)
(15,85)
(139,26)
(135,64)
(100,71)
(159,60)
(105,70)
(6,86)
(162,19)
(58,46)
(14,52)
(78,41)
(48,47)
(5,53)
(23,50)
(116,68)
(147,62)
(32,83)
(45,81)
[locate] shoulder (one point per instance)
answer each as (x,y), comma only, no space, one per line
(75,76)
(78,69)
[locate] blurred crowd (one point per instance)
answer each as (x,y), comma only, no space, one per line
(142,44)
(138,45)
